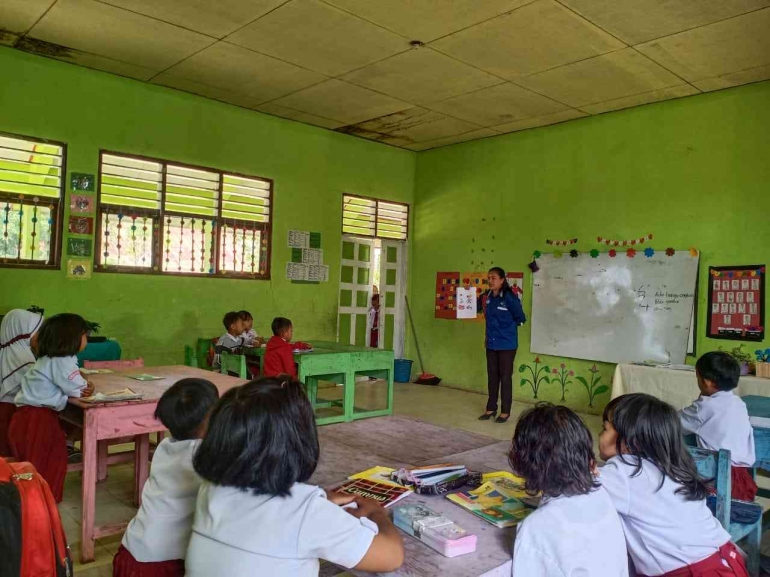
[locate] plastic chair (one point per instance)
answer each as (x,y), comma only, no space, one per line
(115,365)
(716,465)
(229,363)
(190,358)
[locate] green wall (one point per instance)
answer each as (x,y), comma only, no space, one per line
(694,172)
(154,317)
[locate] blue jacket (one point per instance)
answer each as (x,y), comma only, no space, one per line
(504,315)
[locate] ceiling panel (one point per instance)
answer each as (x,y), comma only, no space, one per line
(212,92)
(8,38)
(18,16)
(421,76)
(240,70)
(639,99)
(540,121)
(320,37)
(342,102)
(427,20)
(409,126)
(635,21)
(497,105)
(277,110)
(456,139)
(109,65)
(614,75)
(729,46)
(213,17)
(756,74)
(534,38)
(118,34)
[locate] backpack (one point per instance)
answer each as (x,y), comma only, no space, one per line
(32,539)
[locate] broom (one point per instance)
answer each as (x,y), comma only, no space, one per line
(424,378)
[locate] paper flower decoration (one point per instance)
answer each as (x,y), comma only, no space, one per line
(649,252)
(536,254)
(573,253)
(613,253)
(557,254)
(631,253)
(693,251)
(670,251)
(594,253)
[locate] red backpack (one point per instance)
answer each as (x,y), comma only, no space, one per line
(32,540)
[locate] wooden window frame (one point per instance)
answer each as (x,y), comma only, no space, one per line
(377,202)
(156,268)
(54,260)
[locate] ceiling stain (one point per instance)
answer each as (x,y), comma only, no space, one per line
(392,126)
(44,48)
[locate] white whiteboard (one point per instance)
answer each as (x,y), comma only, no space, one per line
(614,309)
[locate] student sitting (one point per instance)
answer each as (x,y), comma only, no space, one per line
(18,336)
(279,356)
(36,434)
(231,341)
(155,542)
(655,487)
(576,530)
(249,336)
(720,419)
(256,514)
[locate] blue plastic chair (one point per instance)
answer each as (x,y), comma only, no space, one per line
(716,465)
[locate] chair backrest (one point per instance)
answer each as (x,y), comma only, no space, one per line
(115,365)
(714,466)
(229,363)
(190,358)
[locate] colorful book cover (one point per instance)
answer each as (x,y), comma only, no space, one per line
(384,494)
(499,502)
(377,474)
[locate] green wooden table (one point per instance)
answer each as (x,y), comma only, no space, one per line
(338,363)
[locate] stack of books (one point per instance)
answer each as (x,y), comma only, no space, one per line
(501,500)
(435,479)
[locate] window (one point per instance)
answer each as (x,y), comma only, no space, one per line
(31,190)
(162,217)
(374,218)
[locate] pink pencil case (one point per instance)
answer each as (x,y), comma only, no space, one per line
(435,530)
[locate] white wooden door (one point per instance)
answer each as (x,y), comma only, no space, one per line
(355,289)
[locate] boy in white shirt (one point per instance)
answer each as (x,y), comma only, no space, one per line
(720,420)
(576,530)
(155,542)
(231,341)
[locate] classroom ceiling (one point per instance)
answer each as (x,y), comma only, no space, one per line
(485,67)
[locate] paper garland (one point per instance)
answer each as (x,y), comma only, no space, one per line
(631,242)
(561,242)
(648,252)
(738,273)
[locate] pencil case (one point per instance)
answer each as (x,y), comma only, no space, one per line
(435,530)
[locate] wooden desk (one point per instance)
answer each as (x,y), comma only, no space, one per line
(101,421)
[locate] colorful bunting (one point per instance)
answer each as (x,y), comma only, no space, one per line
(631,242)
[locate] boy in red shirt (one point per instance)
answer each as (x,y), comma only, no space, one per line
(279,356)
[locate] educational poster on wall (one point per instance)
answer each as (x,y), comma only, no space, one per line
(447,305)
(81,203)
(79,268)
(306,265)
(81,225)
(446,283)
(466,303)
(79,246)
(736,303)
(82,181)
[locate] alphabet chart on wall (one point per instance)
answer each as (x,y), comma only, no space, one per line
(737,303)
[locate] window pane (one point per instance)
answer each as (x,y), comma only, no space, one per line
(187,243)
(30,168)
(191,191)
(26,232)
(246,198)
(130,182)
(126,241)
(358,216)
(242,249)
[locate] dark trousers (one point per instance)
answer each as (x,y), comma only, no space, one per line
(500,379)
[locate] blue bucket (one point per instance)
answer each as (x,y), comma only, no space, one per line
(402,370)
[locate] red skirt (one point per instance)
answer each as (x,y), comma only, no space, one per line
(6,412)
(124,565)
(714,566)
(744,485)
(35,435)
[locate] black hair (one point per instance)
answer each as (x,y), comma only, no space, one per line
(720,368)
(376,296)
(279,325)
(506,288)
(230,318)
(61,335)
(648,428)
(552,450)
(183,408)
(245,315)
(261,437)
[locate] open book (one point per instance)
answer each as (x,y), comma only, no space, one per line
(121,395)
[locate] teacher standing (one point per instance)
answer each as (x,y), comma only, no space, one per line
(503,313)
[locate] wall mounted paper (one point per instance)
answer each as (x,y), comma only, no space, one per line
(296,271)
(81,203)
(299,239)
(466,303)
(318,273)
(312,256)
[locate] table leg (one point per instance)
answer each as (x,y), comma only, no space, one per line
(141,466)
(103,449)
(89,486)
(390,390)
(349,398)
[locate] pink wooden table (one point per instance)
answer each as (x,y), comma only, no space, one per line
(103,421)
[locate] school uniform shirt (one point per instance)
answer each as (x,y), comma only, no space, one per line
(503,314)
(279,358)
(227,343)
(249,337)
(49,383)
(239,534)
(571,537)
(16,356)
(162,526)
(663,530)
(721,421)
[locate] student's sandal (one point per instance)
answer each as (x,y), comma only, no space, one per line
(488,416)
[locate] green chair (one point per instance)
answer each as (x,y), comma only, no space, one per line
(190,358)
(229,363)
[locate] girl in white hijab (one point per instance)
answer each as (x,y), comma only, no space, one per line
(17,333)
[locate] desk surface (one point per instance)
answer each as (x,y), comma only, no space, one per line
(111,382)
